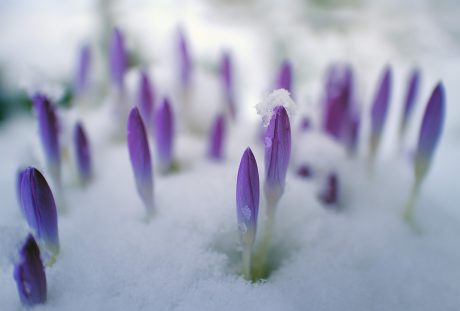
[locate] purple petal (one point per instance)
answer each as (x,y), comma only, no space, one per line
(164,131)
(430,131)
(139,153)
(185,63)
(29,274)
(247,197)
(380,107)
(146,100)
(118,58)
(284,80)
(82,70)
(39,208)
(330,193)
(411,96)
(216,138)
(227,80)
(82,152)
(277,153)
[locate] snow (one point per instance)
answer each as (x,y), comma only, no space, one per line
(280,97)
(188,257)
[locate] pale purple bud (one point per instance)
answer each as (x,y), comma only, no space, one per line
(304,171)
(330,193)
(430,131)
(247,197)
(352,133)
(82,153)
(118,58)
(216,139)
(305,124)
(139,153)
(284,79)
(82,71)
(146,100)
(277,154)
(410,99)
(164,131)
(185,62)
(226,72)
(29,274)
(39,208)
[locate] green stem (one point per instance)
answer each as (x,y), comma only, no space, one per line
(260,258)
(410,205)
(247,262)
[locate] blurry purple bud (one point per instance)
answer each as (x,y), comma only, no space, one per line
(227,80)
(304,171)
(330,193)
(39,209)
(284,79)
(146,100)
(118,58)
(277,154)
(216,140)
(411,96)
(247,197)
(82,70)
(380,108)
(164,131)
(29,274)
(305,124)
(139,153)
(352,135)
(82,153)
(185,62)
(430,131)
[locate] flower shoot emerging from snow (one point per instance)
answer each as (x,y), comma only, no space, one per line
(82,153)
(184,59)
(118,59)
(410,99)
(81,79)
(216,138)
(39,209)
(247,205)
(164,132)
(139,154)
(29,274)
(146,100)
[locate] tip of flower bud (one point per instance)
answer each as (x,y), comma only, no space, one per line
(118,58)
(410,99)
(146,100)
(164,133)
(284,79)
(185,62)
(82,153)
(82,71)
(381,103)
(216,138)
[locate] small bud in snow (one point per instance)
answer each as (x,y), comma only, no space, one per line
(39,209)
(304,171)
(82,70)
(430,131)
(352,134)
(82,153)
(284,79)
(226,73)
(29,274)
(277,154)
(216,138)
(118,58)
(146,100)
(411,96)
(185,62)
(379,110)
(330,193)
(305,124)
(139,154)
(164,131)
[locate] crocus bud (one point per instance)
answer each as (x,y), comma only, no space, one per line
(304,171)
(185,62)
(430,131)
(216,139)
(277,154)
(352,134)
(379,110)
(284,79)
(139,153)
(410,99)
(146,100)
(247,197)
(226,73)
(29,274)
(118,58)
(48,129)
(39,209)
(82,153)
(164,131)
(330,193)
(82,70)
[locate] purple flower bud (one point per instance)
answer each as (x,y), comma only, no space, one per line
(139,153)
(118,58)
(48,129)
(164,131)
(217,138)
(380,109)
(82,70)
(411,96)
(146,100)
(277,154)
(82,153)
(39,209)
(30,275)
(284,79)
(330,193)
(430,131)
(304,171)
(247,198)
(352,133)
(227,80)
(185,62)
